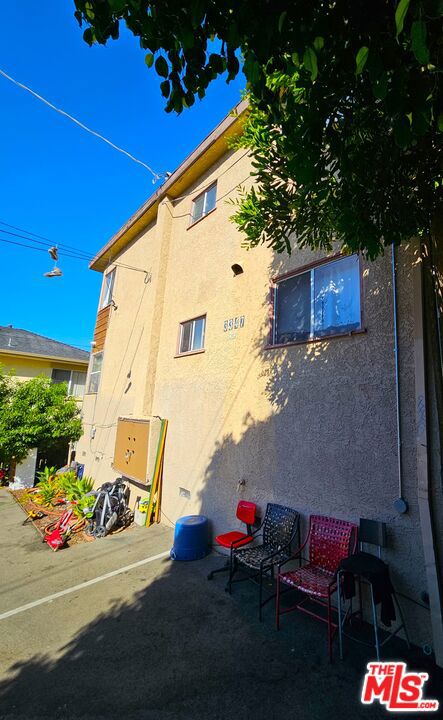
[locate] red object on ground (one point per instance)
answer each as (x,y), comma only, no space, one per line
(330,540)
(57,538)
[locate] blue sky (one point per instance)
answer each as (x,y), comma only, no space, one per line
(62,183)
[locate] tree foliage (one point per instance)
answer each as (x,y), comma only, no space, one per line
(35,413)
(347,105)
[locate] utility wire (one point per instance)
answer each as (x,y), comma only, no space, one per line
(156,176)
(43,249)
(68,253)
(42,237)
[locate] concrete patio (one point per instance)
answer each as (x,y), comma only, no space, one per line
(156,641)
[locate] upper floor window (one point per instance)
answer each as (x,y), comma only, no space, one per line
(75,381)
(192,335)
(319,302)
(95,372)
(108,288)
(204,203)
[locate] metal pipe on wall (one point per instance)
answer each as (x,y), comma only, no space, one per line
(400,504)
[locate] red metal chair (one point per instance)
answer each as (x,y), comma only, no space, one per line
(246,513)
(330,540)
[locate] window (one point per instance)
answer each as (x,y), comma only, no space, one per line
(204,203)
(95,372)
(318,302)
(108,288)
(192,335)
(77,384)
(75,381)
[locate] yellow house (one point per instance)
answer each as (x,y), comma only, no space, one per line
(290,379)
(28,355)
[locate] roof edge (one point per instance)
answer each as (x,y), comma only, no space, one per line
(68,361)
(105,256)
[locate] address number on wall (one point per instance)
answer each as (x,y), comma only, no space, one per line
(234,323)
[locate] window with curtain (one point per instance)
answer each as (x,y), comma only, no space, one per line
(204,203)
(77,384)
(192,335)
(322,301)
(95,372)
(75,381)
(108,288)
(60,376)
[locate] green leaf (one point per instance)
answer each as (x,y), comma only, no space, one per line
(319,43)
(418,41)
(149,59)
(281,20)
(380,86)
(402,132)
(440,122)
(360,59)
(165,88)
(161,67)
(400,14)
(310,62)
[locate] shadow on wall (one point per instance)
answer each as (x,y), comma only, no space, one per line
(329,446)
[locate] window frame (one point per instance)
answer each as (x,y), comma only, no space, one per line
(70,381)
(181,325)
(310,267)
(107,297)
(88,391)
(205,213)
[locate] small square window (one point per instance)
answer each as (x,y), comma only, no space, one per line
(204,203)
(192,335)
(108,288)
(95,372)
(319,302)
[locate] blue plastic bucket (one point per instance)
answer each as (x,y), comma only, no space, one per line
(191,538)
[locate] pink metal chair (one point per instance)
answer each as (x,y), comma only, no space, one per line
(330,540)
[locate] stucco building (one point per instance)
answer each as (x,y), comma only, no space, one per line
(28,355)
(283,378)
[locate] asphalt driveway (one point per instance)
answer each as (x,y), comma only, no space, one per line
(102,630)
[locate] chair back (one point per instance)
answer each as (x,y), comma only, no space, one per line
(280,525)
(330,541)
(246,512)
(372,532)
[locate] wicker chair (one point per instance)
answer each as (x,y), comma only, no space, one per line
(279,527)
(330,540)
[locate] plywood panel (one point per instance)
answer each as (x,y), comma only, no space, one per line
(131,448)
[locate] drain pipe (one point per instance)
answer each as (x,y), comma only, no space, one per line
(400,503)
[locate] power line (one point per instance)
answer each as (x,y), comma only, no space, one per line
(32,247)
(68,253)
(42,237)
(156,176)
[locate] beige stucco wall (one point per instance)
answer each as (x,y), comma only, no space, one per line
(312,425)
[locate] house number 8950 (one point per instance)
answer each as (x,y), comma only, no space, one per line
(234,323)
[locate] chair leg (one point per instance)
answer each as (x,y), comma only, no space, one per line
(374,619)
(225,568)
(231,573)
(329,628)
(400,612)
(260,595)
(340,629)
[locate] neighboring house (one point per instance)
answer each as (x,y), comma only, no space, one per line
(277,373)
(29,355)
